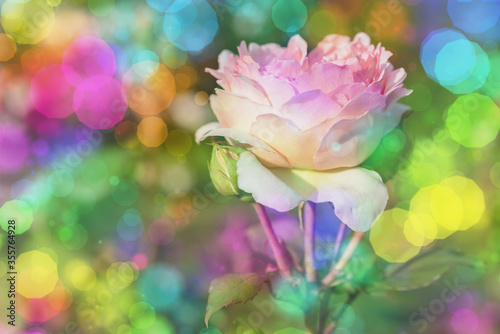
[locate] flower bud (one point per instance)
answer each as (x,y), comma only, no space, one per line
(223,169)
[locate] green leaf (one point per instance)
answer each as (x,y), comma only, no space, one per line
(231,289)
(424,269)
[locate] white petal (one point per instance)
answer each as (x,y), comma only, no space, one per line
(265,187)
(358,195)
(203,131)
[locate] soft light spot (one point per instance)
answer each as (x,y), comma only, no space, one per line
(152,131)
(289,15)
(179,143)
(37,274)
(18,211)
(142,315)
(83,278)
(473,120)
(27,21)
(387,237)
(149,92)
(50,92)
(126,134)
(8,47)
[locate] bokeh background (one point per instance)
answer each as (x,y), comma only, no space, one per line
(119,229)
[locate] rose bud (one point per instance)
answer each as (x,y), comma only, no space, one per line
(223,170)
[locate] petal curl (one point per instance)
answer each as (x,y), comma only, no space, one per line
(266,153)
(324,76)
(298,146)
(351,141)
(235,111)
(359,99)
(309,109)
(358,195)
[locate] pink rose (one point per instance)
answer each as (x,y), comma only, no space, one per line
(306,113)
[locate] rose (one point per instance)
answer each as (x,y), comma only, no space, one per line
(309,118)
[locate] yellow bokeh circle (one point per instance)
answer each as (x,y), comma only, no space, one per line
(387,237)
(456,203)
(83,277)
(27,22)
(37,274)
(121,274)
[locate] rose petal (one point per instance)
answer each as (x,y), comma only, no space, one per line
(346,92)
(358,195)
(397,94)
(296,49)
(332,46)
(296,145)
(277,91)
(358,99)
(349,142)
(394,79)
(324,76)
(284,69)
(265,153)
(244,86)
(265,54)
(203,132)
(362,103)
(309,109)
(223,58)
(269,53)
(265,187)
(234,111)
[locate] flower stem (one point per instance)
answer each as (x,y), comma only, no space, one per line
(346,256)
(338,241)
(309,222)
(279,252)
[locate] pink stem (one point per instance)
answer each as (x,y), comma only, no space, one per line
(277,248)
(309,242)
(338,241)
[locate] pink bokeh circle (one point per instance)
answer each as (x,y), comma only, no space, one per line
(14,149)
(50,92)
(100,107)
(88,57)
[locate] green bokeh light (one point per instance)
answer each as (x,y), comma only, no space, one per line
(394,141)
(18,211)
(94,171)
(60,183)
(125,193)
(289,15)
(101,7)
(73,236)
(473,120)
(142,315)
